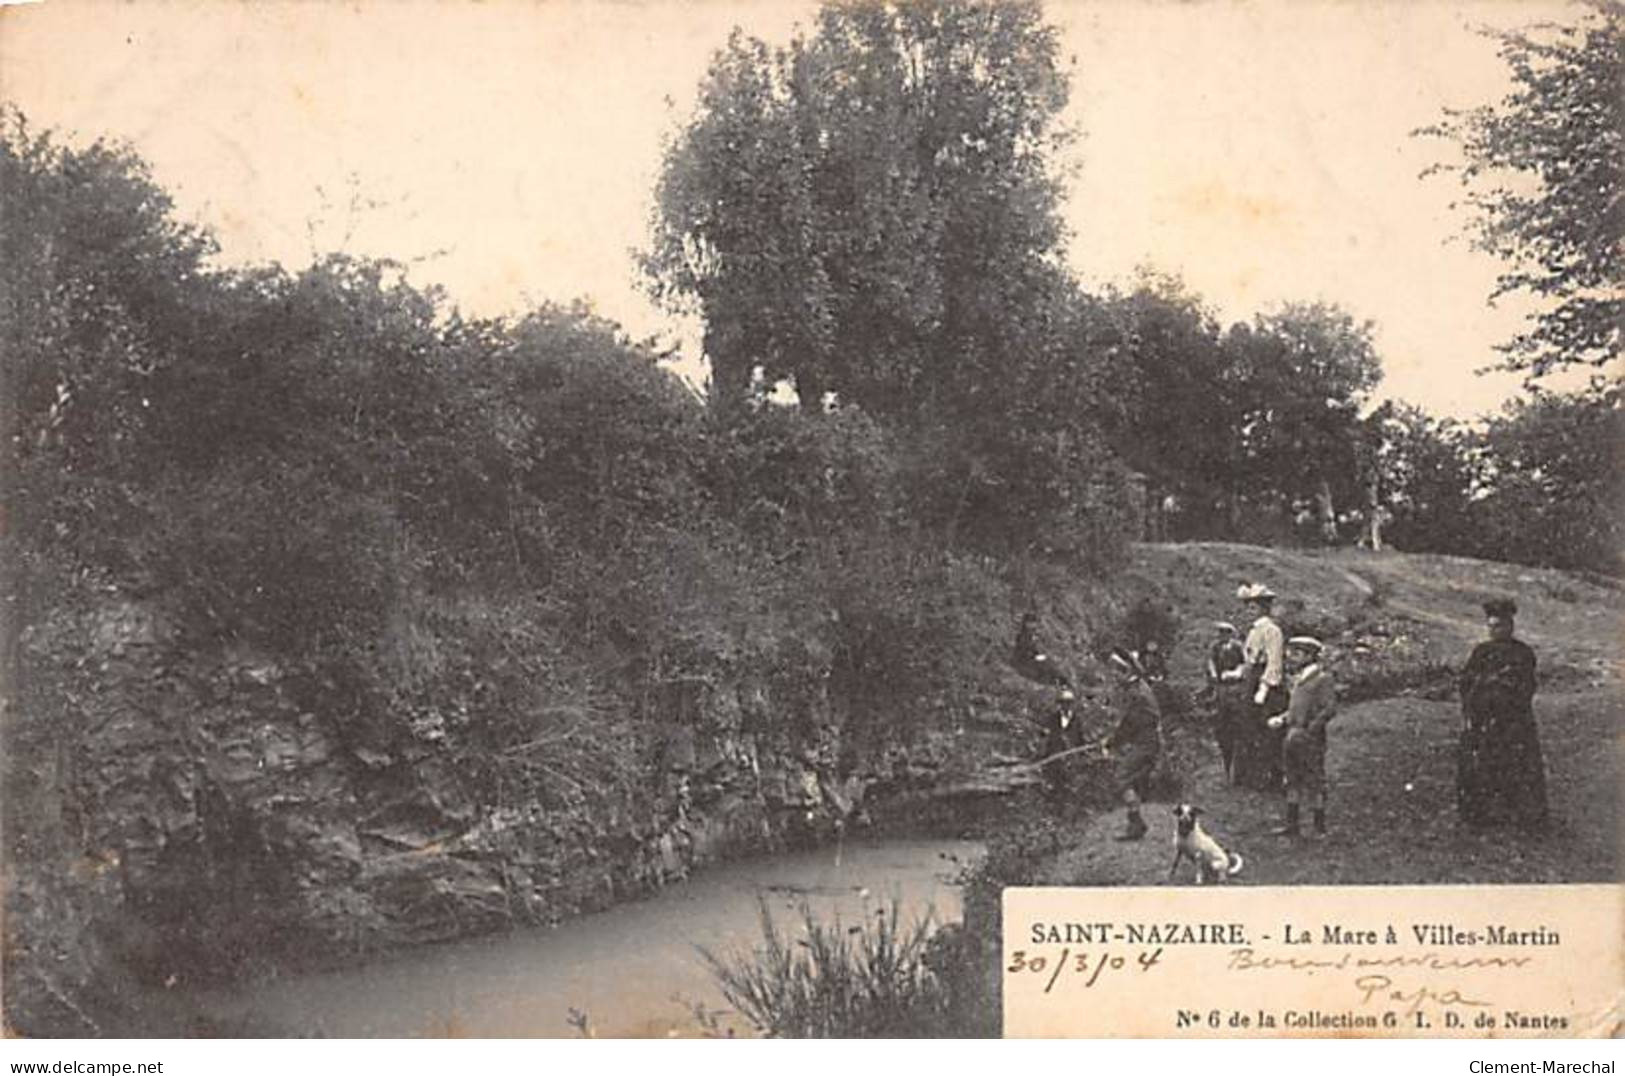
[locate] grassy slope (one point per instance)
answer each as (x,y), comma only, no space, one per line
(1384,612)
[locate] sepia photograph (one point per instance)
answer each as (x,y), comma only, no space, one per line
(839,519)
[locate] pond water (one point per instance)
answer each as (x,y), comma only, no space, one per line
(633,970)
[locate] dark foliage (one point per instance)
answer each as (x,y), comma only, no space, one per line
(512,559)
(1539,483)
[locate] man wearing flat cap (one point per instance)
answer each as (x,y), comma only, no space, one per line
(1135,744)
(1312,706)
(1258,747)
(1500,772)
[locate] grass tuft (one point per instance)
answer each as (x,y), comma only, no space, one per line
(873,979)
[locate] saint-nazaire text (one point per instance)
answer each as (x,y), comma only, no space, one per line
(1168,933)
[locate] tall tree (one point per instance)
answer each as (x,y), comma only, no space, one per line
(1544,176)
(1303,375)
(1174,418)
(869,210)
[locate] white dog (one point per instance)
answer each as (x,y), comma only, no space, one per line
(1213,863)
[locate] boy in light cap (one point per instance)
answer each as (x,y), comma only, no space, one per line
(1312,706)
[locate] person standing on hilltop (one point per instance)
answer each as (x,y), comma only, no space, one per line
(1258,747)
(1135,744)
(1500,771)
(1312,706)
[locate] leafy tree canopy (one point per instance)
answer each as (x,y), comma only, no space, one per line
(869,210)
(1544,175)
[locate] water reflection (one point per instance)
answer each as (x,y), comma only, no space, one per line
(630,971)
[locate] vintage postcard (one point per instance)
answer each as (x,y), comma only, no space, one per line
(1336,962)
(811,518)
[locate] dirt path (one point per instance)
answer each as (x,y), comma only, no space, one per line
(1573,623)
(1393,820)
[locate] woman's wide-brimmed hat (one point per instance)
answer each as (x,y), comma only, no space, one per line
(1255,592)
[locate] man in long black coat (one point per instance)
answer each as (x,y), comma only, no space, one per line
(1500,772)
(1227,693)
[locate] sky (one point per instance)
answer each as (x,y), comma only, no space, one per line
(507,150)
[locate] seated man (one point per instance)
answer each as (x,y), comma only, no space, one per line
(1062,733)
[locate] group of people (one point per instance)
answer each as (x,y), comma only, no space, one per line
(1271,701)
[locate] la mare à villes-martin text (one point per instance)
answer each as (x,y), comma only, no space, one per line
(1429,934)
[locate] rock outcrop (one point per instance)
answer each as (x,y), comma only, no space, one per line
(241,822)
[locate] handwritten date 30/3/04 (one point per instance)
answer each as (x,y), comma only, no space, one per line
(1090,966)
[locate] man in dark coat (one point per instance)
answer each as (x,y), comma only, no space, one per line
(1226,692)
(1135,744)
(1500,773)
